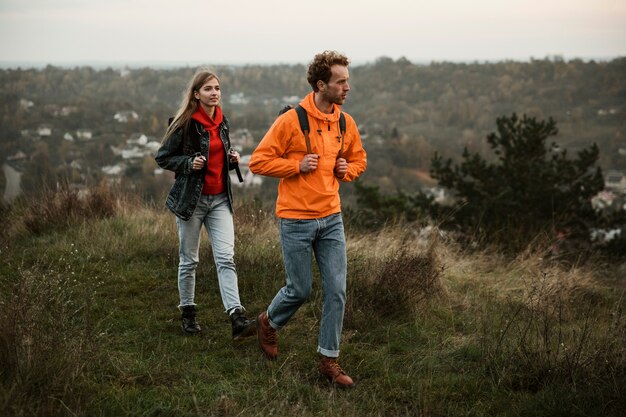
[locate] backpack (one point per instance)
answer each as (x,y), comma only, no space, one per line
(304,125)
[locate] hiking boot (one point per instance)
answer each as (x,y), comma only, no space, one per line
(330,369)
(242,327)
(188,317)
(268,340)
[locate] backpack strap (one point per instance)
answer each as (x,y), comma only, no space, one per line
(342,129)
(303,119)
(237,170)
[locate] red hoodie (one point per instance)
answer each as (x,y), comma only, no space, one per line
(214,176)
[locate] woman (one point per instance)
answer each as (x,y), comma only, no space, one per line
(196,146)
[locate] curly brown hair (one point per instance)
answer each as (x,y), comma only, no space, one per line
(319,68)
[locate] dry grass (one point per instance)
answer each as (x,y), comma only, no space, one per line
(57,209)
(47,340)
(395,273)
(88,325)
(544,322)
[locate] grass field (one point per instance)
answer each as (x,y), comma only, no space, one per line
(89,324)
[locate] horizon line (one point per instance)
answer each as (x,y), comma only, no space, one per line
(163,64)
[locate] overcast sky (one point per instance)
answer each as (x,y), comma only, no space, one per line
(185,32)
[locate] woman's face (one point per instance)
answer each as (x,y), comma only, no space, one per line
(209,94)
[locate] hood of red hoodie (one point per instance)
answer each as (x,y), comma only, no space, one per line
(308,103)
(201,116)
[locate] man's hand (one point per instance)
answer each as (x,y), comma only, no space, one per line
(341,167)
(309,163)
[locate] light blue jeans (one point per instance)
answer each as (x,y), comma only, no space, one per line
(212,211)
(326,239)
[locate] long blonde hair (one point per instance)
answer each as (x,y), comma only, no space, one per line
(189,103)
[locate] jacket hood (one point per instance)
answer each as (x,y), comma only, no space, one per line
(201,116)
(308,103)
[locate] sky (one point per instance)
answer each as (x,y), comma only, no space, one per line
(191,32)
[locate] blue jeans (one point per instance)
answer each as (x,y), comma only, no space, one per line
(325,238)
(212,211)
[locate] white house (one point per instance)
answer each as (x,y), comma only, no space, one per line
(26,104)
(68,110)
(238,99)
(615,180)
(137,139)
(133,153)
(125,116)
(291,100)
(113,170)
(44,131)
(84,134)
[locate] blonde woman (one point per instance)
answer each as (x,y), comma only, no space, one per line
(196,147)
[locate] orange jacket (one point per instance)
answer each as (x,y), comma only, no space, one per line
(312,194)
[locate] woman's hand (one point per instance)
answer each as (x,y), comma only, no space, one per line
(233,156)
(198,162)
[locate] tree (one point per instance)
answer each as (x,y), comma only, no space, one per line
(529,189)
(376,209)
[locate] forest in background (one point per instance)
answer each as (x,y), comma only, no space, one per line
(405,112)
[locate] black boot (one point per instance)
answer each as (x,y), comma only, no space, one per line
(188,318)
(242,327)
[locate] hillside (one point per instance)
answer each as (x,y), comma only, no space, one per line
(89,325)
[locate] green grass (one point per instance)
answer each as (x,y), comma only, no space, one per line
(89,327)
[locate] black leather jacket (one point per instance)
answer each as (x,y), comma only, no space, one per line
(177,153)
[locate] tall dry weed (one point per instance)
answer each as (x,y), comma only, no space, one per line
(393,272)
(55,209)
(554,325)
(47,336)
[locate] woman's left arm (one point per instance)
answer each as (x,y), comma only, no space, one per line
(170,156)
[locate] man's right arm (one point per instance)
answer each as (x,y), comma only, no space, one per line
(269,156)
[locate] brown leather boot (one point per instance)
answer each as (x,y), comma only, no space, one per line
(268,340)
(330,369)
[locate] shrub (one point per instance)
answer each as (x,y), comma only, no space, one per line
(58,209)
(397,277)
(531,188)
(554,330)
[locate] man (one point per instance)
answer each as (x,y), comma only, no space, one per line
(308,206)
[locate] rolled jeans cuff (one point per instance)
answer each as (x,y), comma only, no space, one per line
(328,353)
(272,324)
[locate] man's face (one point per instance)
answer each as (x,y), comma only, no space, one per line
(336,90)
